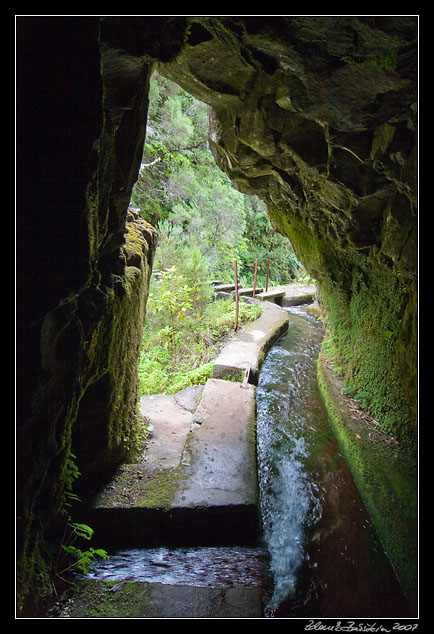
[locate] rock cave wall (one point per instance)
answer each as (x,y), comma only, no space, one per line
(315,115)
(83,271)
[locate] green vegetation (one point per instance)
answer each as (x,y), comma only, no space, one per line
(81,559)
(177,353)
(70,556)
(371,329)
(194,205)
(204,225)
(370,340)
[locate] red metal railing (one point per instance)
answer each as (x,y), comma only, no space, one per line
(254,286)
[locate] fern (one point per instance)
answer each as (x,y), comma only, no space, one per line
(82,558)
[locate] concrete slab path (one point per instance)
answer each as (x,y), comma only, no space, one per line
(195,484)
(219,460)
(247,350)
(139,600)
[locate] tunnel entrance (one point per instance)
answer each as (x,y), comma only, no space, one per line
(205,225)
(193,204)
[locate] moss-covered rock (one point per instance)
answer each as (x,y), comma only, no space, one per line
(317,116)
(385,474)
(80,338)
(133,599)
(104,429)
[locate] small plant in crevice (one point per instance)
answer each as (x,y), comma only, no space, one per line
(76,557)
(70,556)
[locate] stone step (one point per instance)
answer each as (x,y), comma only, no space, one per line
(298,299)
(141,600)
(224,288)
(196,482)
(272,296)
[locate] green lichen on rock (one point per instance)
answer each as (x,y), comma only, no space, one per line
(88,401)
(370,315)
(385,474)
(105,599)
(104,429)
(322,126)
(138,486)
(367,338)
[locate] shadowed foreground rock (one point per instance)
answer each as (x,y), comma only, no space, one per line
(99,599)
(205,493)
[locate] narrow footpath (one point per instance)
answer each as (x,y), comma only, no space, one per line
(196,485)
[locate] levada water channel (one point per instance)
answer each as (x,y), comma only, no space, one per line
(321,556)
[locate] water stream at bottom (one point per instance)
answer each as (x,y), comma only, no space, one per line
(321,556)
(325,557)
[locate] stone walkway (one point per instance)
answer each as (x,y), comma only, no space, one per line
(196,483)
(201,458)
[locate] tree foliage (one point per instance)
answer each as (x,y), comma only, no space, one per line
(173,300)
(203,221)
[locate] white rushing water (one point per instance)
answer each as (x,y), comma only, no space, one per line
(199,566)
(288,497)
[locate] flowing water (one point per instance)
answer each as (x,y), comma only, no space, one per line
(223,566)
(321,556)
(325,557)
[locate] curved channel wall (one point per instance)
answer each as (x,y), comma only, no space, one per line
(242,357)
(385,474)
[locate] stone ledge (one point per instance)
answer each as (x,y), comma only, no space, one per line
(298,300)
(247,350)
(140,600)
(197,480)
(385,476)
(186,526)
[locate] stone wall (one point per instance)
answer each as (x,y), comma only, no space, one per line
(318,116)
(83,274)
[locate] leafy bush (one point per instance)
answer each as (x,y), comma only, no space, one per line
(181,191)
(198,339)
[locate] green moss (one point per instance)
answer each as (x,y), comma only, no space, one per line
(370,315)
(160,490)
(34,586)
(236,375)
(372,326)
(90,347)
(386,476)
(135,485)
(97,599)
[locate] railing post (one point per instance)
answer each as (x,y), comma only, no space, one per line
(268,275)
(236,295)
(254,278)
